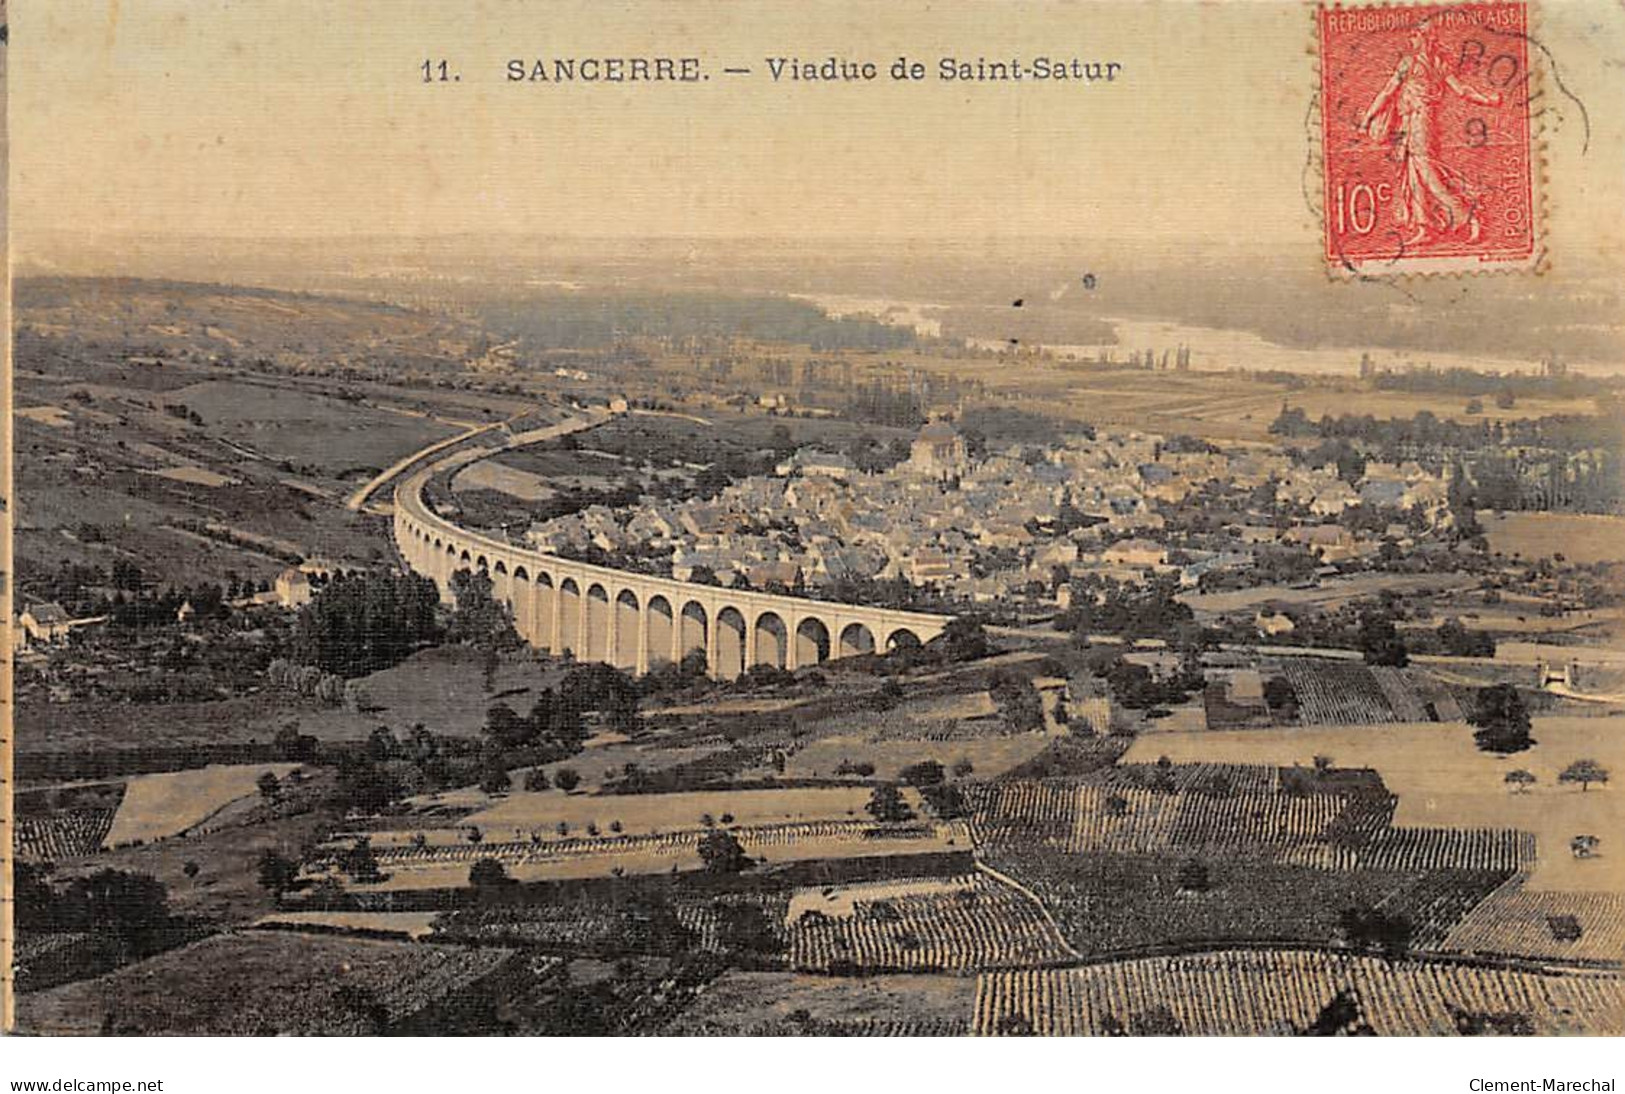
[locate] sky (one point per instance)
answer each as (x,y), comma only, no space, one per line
(291,118)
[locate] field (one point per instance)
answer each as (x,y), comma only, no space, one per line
(1249,993)
(153,396)
(410,925)
(641,814)
(446,866)
(158,806)
(93,728)
(1328,595)
(1556,926)
(1443,781)
(1333,827)
(1111,903)
(948,728)
(972,924)
(1333,693)
(311,430)
(1216,405)
(226,887)
(778,1003)
(622,922)
(65,835)
(197,476)
(1279,854)
(494,475)
(1577,537)
(266,983)
(989,756)
(443,688)
(666,439)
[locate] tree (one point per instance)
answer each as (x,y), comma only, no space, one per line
(269,785)
(1157,1021)
(506,730)
(1018,702)
(566,779)
(382,745)
(963,639)
(361,623)
(1520,781)
(276,873)
(1372,929)
(1162,776)
(365,786)
(602,688)
(924,773)
(963,768)
(1280,696)
(495,780)
(364,1006)
(1380,642)
(745,928)
(117,905)
(888,695)
(360,863)
(535,780)
(1458,641)
(1341,1016)
(488,875)
(294,746)
(722,853)
(1583,846)
(1584,772)
(886,805)
(191,870)
(1502,720)
(478,619)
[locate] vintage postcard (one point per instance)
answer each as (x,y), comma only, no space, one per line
(711,519)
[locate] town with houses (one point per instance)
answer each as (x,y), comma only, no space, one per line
(987,528)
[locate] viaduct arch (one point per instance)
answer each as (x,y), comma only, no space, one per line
(635,621)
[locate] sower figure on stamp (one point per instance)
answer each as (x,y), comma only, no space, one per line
(1433,196)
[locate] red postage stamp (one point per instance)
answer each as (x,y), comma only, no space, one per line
(1426,138)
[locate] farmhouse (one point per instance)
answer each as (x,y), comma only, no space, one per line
(938,450)
(930,565)
(46,623)
(1333,541)
(1135,552)
(811,462)
(293,588)
(1270,624)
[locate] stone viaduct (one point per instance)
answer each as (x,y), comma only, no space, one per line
(634,621)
